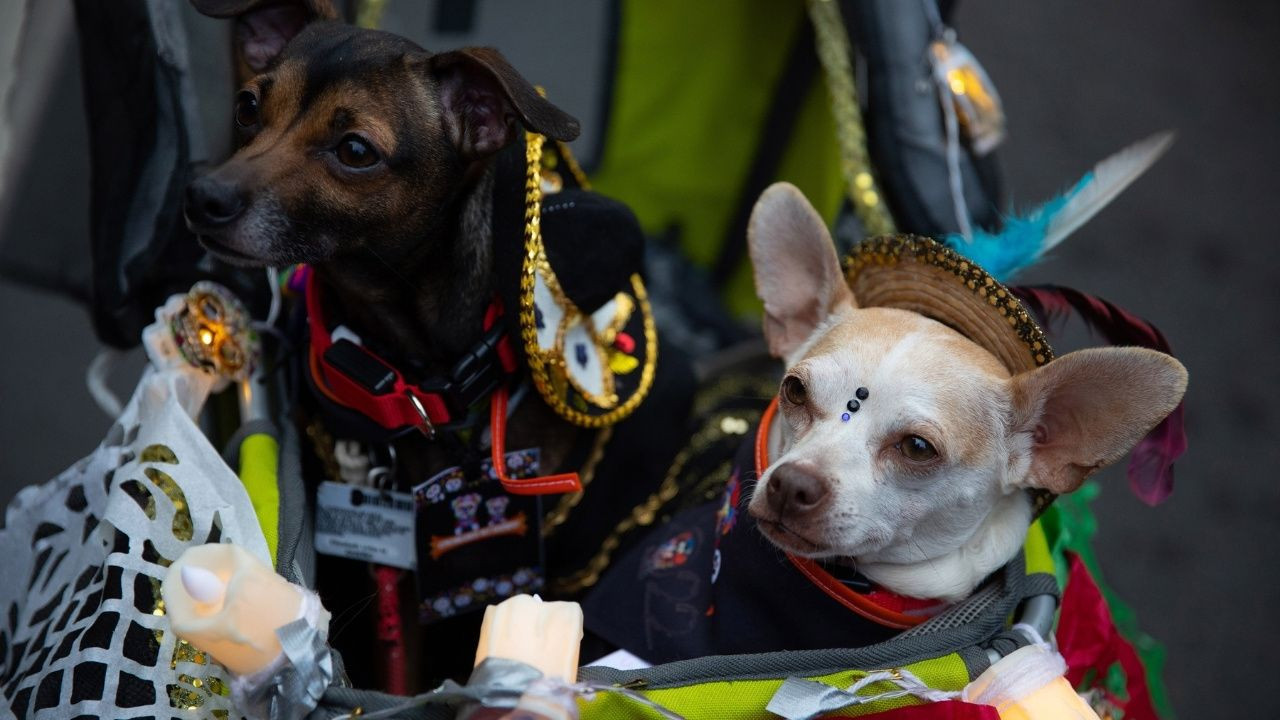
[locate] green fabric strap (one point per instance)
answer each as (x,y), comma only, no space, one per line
(259,458)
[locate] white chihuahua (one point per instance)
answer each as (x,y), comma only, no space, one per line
(903,447)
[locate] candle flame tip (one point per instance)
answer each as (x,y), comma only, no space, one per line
(202,585)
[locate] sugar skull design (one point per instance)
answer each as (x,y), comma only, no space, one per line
(497,508)
(465,507)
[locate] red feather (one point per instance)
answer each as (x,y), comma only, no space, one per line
(1151,465)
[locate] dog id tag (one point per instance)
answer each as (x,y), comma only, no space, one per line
(476,543)
(361,523)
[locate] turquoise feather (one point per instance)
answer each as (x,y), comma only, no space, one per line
(1025,238)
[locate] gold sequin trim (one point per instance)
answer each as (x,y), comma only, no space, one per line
(545,368)
(891,250)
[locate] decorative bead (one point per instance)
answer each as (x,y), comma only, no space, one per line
(862,393)
(853,406)
(845,417)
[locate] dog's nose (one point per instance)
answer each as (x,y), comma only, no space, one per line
(794,491)
(212,203)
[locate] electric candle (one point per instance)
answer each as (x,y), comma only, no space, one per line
(546,635)
(1054,701)
(228,604)
(1028,684)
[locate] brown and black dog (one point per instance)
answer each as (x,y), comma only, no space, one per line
(372,160)
(365,156)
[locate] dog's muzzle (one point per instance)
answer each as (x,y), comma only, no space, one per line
(212,204)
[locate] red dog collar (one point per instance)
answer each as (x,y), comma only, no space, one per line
(879,606)
(352,376)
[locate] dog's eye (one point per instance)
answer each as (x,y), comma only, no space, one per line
(794,391)
(246,109)
(917,449)
(354,152)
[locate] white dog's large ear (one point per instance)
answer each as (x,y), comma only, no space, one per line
(796,269)
(1088,408)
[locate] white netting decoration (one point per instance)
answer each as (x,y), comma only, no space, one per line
(83,632)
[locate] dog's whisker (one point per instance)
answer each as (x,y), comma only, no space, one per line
(926,558)
(351,613)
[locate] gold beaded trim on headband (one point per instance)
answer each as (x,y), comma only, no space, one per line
(891,250)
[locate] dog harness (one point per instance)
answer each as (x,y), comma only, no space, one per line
(581,317)
(354,377)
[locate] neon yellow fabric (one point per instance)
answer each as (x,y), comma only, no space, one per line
(259,458)
(746,699)
(1036,551)
(811,163)
(693,85)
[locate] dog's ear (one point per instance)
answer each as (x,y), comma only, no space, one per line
(796,269)
(1088,408)
(482,95)
(264,27)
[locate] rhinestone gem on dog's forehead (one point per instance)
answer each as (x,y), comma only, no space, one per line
(855,404)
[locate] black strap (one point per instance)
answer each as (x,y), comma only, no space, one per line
(788,98)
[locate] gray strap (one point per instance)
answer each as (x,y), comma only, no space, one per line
(800,699)
(295,549)
(311,670)
(295,683)
(231,451)
(803,699)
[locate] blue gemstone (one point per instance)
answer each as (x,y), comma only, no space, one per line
(845,416)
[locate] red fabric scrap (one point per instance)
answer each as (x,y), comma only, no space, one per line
(1089,641)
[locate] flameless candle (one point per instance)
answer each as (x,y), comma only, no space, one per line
(228,604)
(546,635)
(1055,701)
(1028,684)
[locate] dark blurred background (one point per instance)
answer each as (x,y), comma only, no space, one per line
(1186,247)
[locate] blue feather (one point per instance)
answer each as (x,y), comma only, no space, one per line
(1027,237)
(1019,244)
